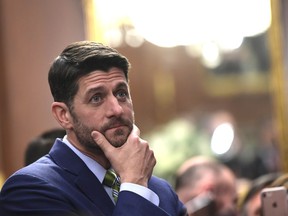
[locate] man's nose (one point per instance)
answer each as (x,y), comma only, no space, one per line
(113,107)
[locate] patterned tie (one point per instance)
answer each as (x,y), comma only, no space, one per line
(113,181)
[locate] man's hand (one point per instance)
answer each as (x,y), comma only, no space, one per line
(133,162)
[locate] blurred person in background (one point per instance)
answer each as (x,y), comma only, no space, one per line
(41,145)
(251,202)
(207,187)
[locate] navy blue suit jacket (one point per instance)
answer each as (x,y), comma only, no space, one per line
(61,184)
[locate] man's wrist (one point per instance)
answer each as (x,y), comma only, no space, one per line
(145,192)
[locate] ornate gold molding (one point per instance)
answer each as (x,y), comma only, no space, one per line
(278,80)
(92,26)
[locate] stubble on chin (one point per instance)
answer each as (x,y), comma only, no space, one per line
(118,138)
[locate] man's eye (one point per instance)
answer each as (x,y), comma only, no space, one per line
(96,99)
(122,94)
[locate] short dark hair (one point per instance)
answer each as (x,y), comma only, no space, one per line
(42,144)
(77,60)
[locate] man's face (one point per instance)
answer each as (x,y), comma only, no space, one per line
(103,103)
(223,190)
(225,194)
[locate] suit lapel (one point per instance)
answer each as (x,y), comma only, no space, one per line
(85,180)
(93,189)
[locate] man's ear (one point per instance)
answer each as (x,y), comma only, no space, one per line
(62,114)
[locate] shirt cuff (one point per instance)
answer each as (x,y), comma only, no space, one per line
(142,191)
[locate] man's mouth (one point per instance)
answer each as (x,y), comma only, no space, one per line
(115,127)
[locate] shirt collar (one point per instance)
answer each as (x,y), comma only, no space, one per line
(94,167)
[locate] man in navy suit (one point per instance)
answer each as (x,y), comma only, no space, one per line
(89,84)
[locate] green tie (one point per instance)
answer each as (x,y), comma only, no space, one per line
(113,181)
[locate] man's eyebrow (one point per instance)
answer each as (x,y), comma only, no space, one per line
(93,90)
(122,84)
(101,88)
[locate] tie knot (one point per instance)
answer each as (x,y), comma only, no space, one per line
(111,178)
